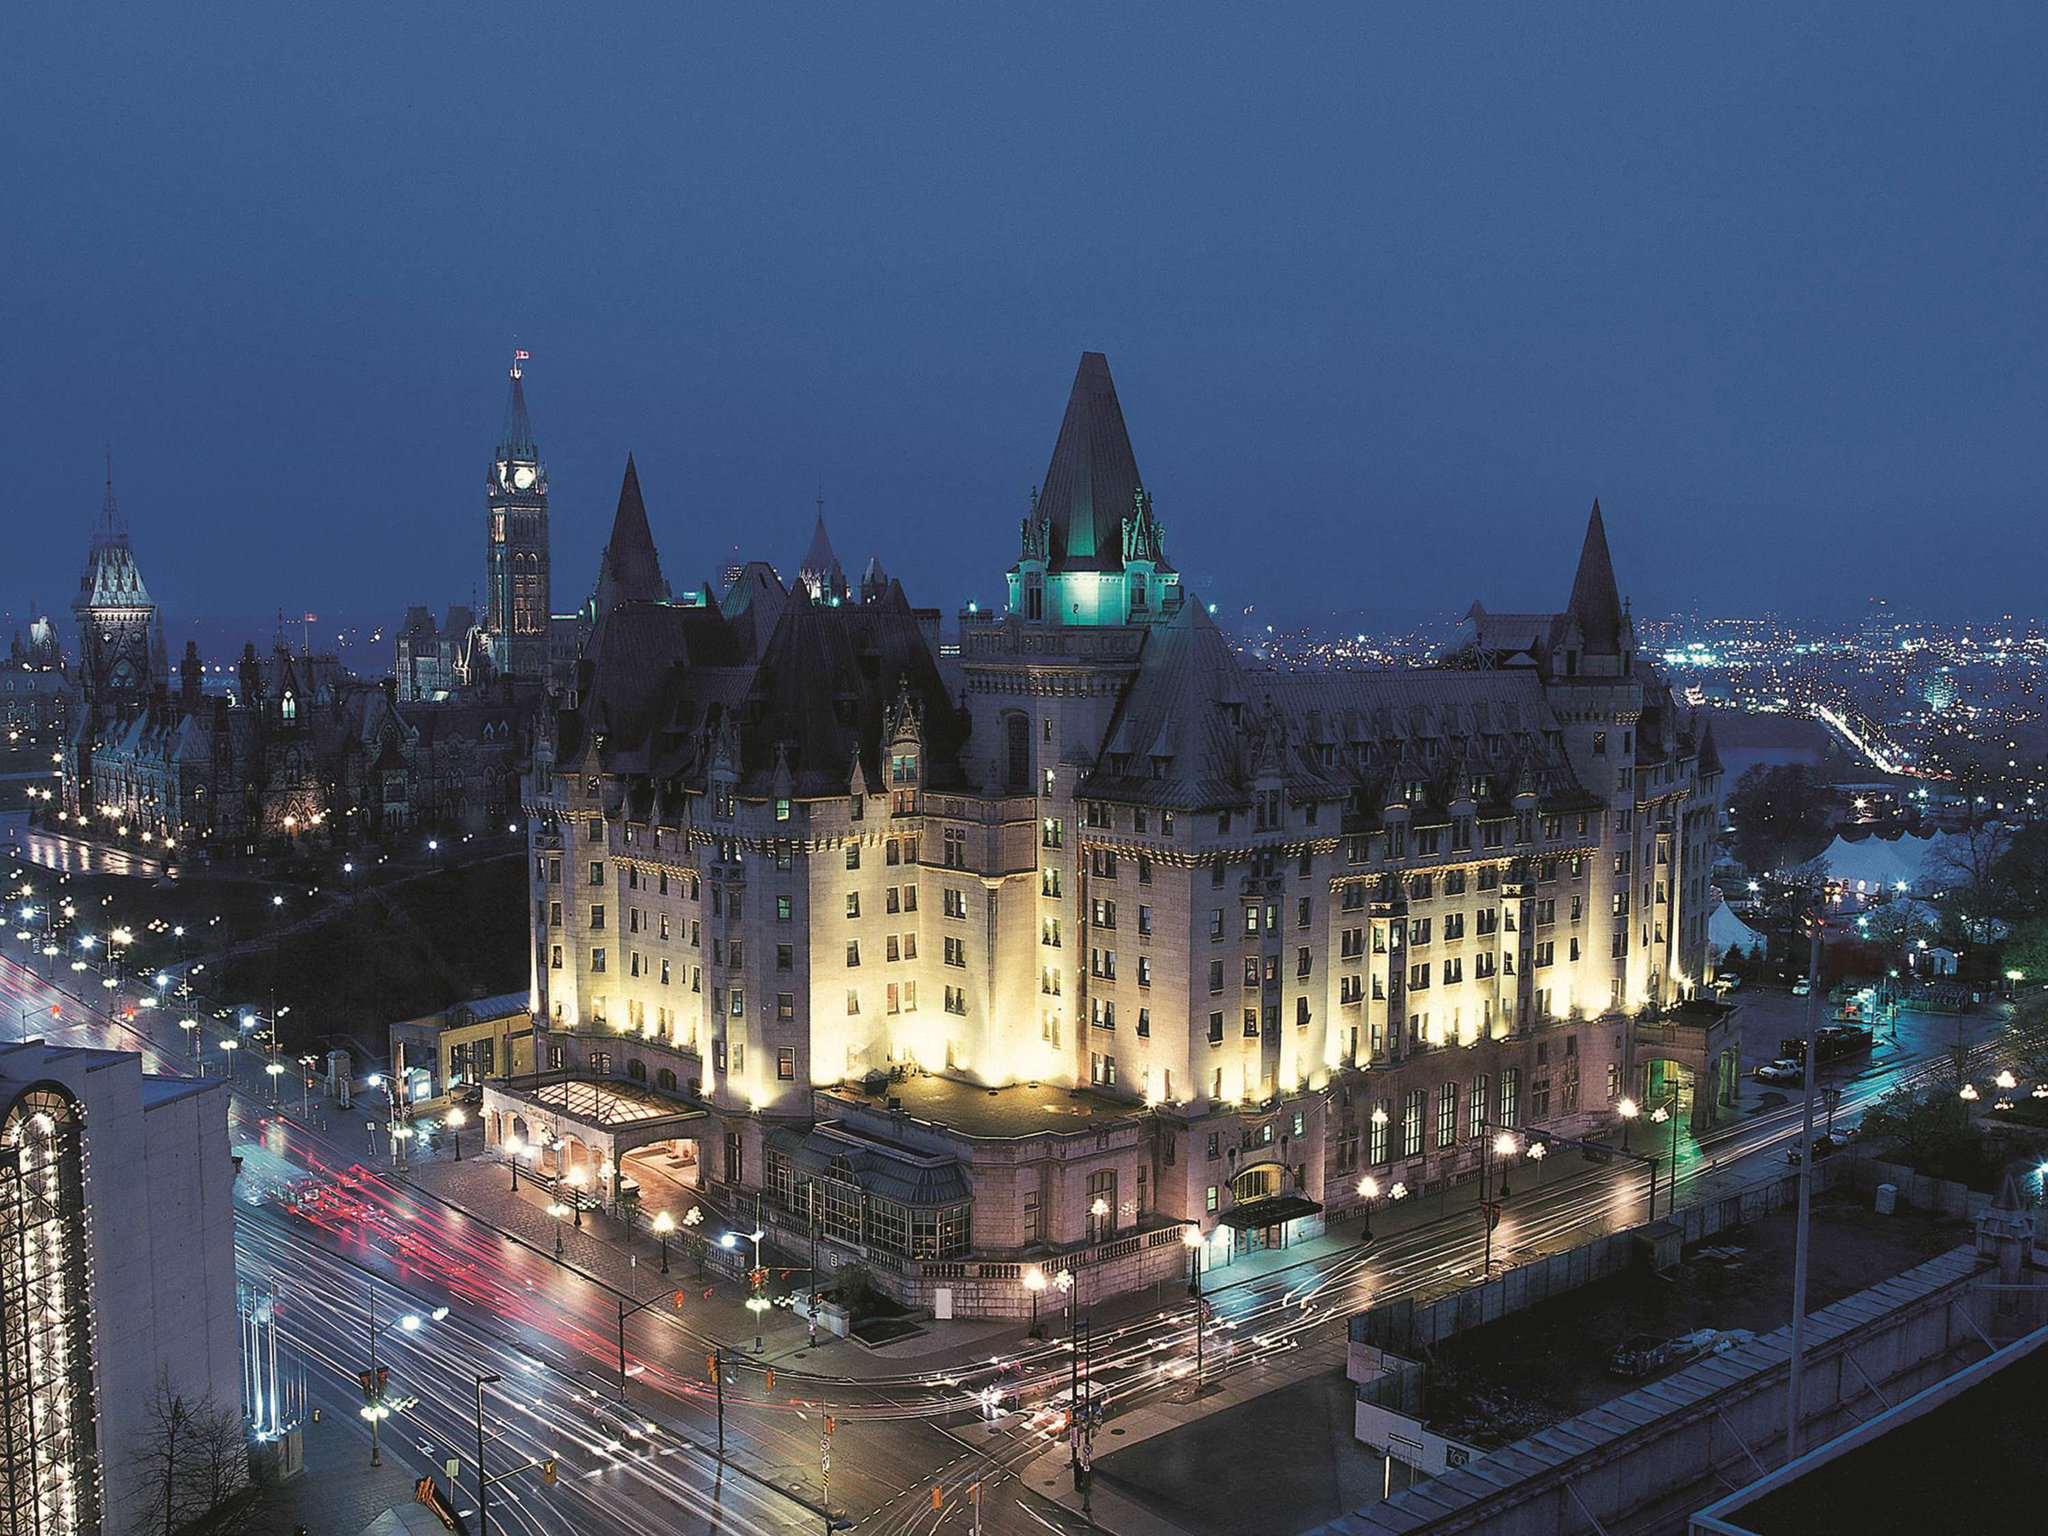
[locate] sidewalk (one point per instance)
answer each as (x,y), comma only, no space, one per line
(339,1493)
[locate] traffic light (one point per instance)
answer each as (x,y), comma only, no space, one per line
(711,1366)
(831,1423)
(547,1471)
(768,1379)
(679,1301)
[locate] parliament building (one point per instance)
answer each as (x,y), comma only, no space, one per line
(976,967)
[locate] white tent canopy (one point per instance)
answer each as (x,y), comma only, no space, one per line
(1729,934)
(1865,867)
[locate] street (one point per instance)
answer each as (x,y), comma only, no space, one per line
(325,1219)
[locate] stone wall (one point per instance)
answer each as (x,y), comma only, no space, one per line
(1406,1325)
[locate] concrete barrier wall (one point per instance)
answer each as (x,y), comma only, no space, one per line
(1408,1326)
(1943,1197)
(1717,1423)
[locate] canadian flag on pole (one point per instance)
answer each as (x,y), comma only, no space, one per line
(521,357)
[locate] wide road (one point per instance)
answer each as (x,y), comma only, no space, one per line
(337,1238)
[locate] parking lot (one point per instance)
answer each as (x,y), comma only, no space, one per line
(1768,1015)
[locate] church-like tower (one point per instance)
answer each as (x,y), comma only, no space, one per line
(121,664)
(516,540)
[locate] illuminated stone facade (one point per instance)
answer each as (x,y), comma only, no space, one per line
(117,1252)
(1174,925)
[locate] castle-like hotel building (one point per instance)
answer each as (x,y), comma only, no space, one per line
(1027,958)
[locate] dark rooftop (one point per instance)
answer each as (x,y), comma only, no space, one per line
(1024,1109)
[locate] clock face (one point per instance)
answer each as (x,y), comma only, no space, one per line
(523,477)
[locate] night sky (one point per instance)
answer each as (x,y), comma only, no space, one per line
(1390,293)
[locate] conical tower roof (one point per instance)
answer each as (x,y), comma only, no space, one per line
(515,439)
(111,579)
(1091,486)
(1595,600)
(630,570)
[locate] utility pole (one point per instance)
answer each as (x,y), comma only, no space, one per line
(483,1484)
(1792,1382)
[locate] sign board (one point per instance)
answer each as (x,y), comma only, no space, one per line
(1406,1439)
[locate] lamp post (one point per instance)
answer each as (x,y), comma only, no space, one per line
(558,1210)
(1659,1115)
(1628,1109)
(663,1224)
(576,1178)
(1191,1235)
(1368,1191)
(374,1408)
(483,1484)
(1505,1147)
(191,1028)
(276,1071)
(1034,1282)
(456,1119)
(227,1048)
(512,1146)
(756,1303)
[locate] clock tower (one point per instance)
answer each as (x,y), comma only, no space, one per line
(120,640)
(516,543)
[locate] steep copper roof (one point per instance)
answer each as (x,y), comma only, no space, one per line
(630,570)
(1596,600)
(1091,486)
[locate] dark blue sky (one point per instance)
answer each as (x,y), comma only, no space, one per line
(1390,293)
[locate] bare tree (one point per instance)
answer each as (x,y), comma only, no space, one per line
(190,1463)
(160,1455)
(1965,859)
(217,1467)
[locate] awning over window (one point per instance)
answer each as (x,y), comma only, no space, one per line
(1266,1213)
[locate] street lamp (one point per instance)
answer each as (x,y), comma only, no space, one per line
(1191,1236)
(455,1120)
(1505,1147)
(512,1146)
(227,1048)
(1664,1112)
(663,1224)
(1034,1282)
(276,1071)
(1628,1109)
(576,1178)
(558,1210)
(191,1028)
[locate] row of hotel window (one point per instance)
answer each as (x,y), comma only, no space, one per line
(1485,1108)
(897,997)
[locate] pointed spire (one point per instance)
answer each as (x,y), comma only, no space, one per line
(516,440)
(1092,483)
(111,527)
(1595,600)
(1709,754)
(630,570)
(820,569)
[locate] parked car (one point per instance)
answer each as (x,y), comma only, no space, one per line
(1823,1146)
(1802,986)
(1727,981)
(1783,1072)
(1642,1354)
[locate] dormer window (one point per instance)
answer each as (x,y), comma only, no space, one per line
(903,768)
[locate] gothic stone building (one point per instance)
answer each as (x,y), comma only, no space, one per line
(1025,959)
(298,751)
